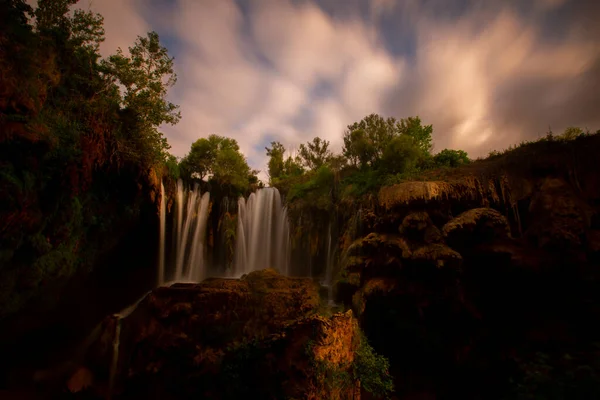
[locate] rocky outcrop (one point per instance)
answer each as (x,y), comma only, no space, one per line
(258,337)
(462,280)
(475,226)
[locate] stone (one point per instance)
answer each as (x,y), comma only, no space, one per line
(476,225)
(419,227)
(259,336)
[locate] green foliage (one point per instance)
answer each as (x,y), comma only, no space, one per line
(401,155)
(280,168)
(363,181)
(369,368)
(365,142)
(572,133)
(316,153)
(220,157)
(372,370)
(146,75)
(316,190)
(231,169)
(412,127)
(173,167)
(75,146)
(451,158)
(276,164)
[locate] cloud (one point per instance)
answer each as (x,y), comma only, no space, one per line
(485,74)
(485,86)
(123,22)
(253,76)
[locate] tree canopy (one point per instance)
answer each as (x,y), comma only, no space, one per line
(220,159)
(315,153)
(365,142)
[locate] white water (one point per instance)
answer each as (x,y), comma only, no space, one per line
(189,236)
(262,239)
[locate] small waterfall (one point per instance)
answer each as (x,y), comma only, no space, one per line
(115,356)
(162,234)
(262,233)
(189,236)
(119,317)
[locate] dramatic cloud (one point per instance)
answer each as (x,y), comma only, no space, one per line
(485,74)
(488,85)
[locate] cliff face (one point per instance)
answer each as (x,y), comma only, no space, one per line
(257,337)
(466,280)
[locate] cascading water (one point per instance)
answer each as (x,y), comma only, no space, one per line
(262,233)
(188,237)
(116,344)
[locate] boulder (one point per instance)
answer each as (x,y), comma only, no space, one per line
(419,227)
(437,255)
(476,226)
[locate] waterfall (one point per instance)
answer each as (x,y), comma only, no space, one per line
(163,228)
(262,233)
(189,236)
(116,344)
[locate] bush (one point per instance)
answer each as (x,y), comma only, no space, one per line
(372,370)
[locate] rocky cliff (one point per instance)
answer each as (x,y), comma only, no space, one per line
(485,275)
(258,337)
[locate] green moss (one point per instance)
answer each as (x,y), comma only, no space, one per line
(372,370)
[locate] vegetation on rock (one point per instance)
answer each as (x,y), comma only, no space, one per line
(78,134)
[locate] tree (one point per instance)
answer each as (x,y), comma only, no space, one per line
(53,15)
(402,154)
(451,158)
(231,169)
(276,163)
(412,127)
(366,141)
(293,166)
(146,75)
(87,31)
(201,161)
(571,133)
(220,158)
(316,153)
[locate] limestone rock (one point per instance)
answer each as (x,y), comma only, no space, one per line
(466,188)
(438,255)
(375,243)
(476,225)
(560,218)
(419,227)
(195,339)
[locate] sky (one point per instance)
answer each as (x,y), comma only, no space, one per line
(486,74)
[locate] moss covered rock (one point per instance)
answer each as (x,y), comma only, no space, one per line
(475,226)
